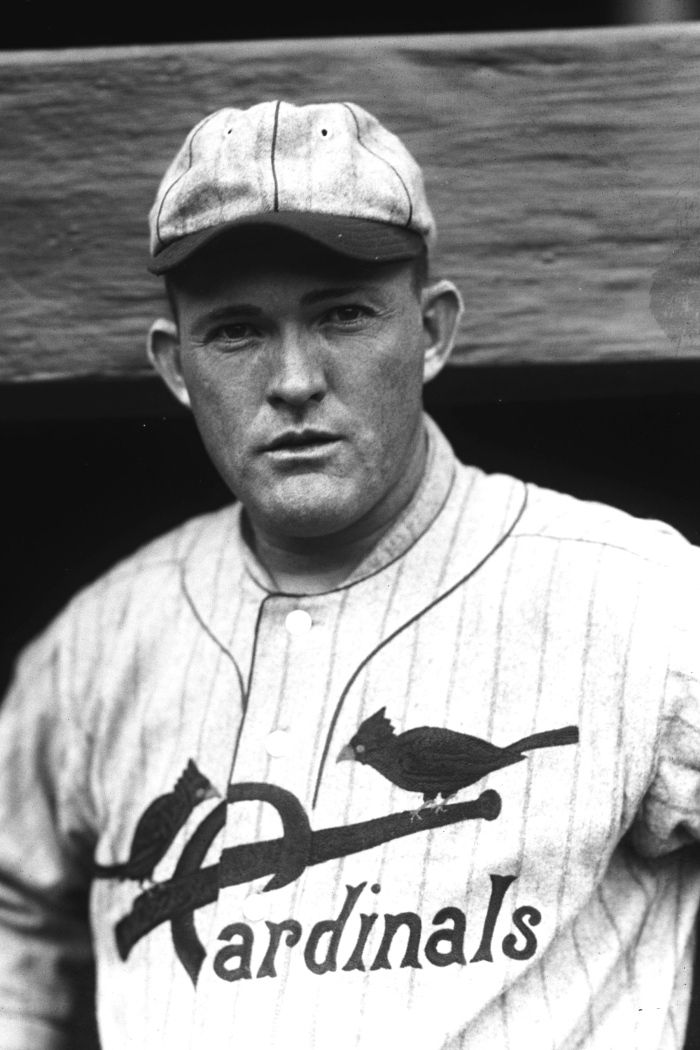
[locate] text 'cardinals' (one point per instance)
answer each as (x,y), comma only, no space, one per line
(367,941)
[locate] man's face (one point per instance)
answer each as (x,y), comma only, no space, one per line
(304,372)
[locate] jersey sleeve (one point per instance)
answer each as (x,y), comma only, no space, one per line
(45,949)
(670,813)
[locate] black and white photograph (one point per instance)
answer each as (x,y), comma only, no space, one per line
(350,637)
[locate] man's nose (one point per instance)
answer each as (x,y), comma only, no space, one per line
(297,374)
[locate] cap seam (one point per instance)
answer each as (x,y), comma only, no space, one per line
(182,174)
(384,160)
(276,201)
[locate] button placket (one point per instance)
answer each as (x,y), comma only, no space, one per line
(298,623)
(287,634)
(255,907)
(278,743)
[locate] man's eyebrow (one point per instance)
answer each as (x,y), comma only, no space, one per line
(323,294)
(223,313)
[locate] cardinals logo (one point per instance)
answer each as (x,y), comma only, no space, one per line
(430,761)
(436,762)
(158,826)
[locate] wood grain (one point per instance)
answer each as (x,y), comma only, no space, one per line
(563,168)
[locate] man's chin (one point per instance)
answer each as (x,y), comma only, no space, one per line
(309,509)
(312,525)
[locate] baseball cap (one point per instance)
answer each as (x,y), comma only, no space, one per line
(329,171)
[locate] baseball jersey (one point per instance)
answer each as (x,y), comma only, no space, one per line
(443,805)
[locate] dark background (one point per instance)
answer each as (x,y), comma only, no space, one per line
(46,24)
(93,470)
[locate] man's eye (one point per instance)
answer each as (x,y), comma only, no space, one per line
(233,332)
(346,314)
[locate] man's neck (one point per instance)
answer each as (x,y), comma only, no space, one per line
(303,571)
(318,564)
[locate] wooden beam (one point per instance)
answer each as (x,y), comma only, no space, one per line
(564,170)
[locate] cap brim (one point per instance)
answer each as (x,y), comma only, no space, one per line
(361,239)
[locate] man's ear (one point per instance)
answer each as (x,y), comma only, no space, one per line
(442,308)
(163,350)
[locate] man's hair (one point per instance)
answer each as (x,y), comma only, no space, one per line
(420,277)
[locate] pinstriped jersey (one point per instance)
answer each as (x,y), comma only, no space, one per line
(442,805)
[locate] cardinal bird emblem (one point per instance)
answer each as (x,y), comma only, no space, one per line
(439,762)
(158,826)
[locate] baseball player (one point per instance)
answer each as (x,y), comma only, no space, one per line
(388,752)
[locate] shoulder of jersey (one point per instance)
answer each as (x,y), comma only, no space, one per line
(568,519)
(136,592)
(157,565)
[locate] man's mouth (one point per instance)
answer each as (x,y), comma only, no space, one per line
(301,441)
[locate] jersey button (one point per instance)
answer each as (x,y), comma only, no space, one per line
(298,622)
(277,743)
(254,907)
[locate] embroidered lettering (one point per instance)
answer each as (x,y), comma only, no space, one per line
(520,919)
(239,952)
(349,936)
(335,928)
(393,923)
(453,938)
(293,930)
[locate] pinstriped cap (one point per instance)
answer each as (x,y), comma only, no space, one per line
(328,171)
